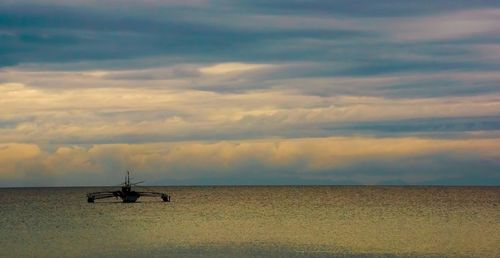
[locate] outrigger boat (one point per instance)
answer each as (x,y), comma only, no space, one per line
(126,193)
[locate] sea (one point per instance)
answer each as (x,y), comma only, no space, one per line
(254,221)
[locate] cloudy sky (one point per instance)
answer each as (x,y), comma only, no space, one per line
(249,92)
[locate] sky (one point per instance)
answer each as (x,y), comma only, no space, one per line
(202,92)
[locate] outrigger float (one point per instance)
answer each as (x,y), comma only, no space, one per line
(126,193)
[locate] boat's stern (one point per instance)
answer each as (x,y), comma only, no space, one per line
(130,197)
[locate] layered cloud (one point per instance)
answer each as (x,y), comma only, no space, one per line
(108,115)
(351,160)
(96,86)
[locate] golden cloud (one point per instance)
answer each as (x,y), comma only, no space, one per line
(225,68)
(94,114)
(183,160)
(14,154)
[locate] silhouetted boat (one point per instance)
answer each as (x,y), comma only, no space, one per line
(126,193)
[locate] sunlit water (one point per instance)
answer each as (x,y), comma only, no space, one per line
(254,222)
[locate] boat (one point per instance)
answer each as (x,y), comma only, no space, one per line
(126,194)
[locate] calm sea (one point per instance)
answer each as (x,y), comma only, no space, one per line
(287,221)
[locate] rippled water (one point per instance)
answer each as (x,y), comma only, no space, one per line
(289,221)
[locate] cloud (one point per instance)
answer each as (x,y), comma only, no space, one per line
(489,52)
(82,80)
(382,8)
(226,68)
(292,160)
(13,156)
(306,78)
(446,26)
(244,32)
(111,115)
(448,125)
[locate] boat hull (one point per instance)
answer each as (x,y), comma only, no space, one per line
(130,198)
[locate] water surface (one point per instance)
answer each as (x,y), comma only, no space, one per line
(285,221)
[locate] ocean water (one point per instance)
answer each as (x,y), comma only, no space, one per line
(246,221)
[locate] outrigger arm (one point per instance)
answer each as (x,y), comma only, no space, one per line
(165,197)
(91,197)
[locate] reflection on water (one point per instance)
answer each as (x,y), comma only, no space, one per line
(254,222)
